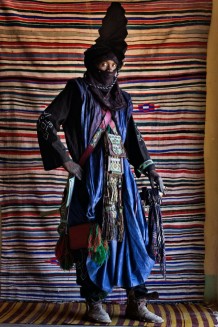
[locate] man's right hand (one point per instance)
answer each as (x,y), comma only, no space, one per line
(73,168)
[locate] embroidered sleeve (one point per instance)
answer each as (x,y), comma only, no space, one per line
(53,151)
(45,126)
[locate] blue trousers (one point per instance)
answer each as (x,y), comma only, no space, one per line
(88,289)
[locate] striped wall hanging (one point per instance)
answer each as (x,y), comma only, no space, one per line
(42,45)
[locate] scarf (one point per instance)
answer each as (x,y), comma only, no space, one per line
(105,88)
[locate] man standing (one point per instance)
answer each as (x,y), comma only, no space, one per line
(105,192)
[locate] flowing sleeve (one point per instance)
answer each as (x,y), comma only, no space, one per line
(136,149)
(53,151)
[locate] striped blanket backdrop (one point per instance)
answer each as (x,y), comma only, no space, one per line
(42,45)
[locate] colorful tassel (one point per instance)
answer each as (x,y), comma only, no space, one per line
(98,249)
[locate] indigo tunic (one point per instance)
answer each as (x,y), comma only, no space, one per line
(79,113)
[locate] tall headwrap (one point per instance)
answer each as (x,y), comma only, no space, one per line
(109,45)
(112,36)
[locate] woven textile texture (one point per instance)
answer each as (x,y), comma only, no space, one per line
(39,313)
(42,45)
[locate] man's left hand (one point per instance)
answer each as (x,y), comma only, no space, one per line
(155,178)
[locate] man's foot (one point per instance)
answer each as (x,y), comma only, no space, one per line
(96,313)
(137,308)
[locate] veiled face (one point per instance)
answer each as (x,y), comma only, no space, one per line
(107,65)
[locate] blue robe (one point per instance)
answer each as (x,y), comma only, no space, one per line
(78,111)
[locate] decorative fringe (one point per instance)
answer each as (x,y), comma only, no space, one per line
(108,225)
(120,220)
(112,191)
(152,198)
(112,224)
(120,225)
(98,249)
(110,210)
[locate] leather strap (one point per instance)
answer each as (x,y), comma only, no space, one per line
(90,148)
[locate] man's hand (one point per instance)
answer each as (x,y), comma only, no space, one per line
(73,168)
(155,178)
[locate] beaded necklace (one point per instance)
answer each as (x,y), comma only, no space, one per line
(100,86)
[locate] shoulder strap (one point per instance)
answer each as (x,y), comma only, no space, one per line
(106,120)
(96,137)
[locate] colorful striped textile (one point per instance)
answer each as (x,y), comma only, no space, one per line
(47,313)
(42,45)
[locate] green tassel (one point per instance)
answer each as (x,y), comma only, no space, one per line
(97,248)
